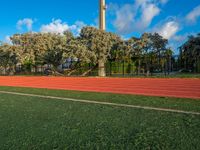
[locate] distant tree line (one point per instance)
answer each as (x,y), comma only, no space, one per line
(148,54)
(190,54)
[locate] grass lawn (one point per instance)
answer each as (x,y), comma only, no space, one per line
(161,75)
(180,75)
(38,123)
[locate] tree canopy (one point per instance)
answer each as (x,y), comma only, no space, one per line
(190,53)
(93,46)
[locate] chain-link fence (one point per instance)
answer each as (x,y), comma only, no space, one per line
(119,68)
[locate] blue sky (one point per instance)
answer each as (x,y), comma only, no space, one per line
(174,19)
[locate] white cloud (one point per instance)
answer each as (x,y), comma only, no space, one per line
(7,39)
(76,28)
(193,15)
(125,17)
(180,38)
(149,11)
(169,29)
(56,26)
(183,37)
(59,27)
(156,2)
(163,1)
(27,22)
(137,16)
(146,16)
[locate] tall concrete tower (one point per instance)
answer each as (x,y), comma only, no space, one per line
(102,15)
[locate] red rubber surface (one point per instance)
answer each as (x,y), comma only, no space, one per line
(182,88)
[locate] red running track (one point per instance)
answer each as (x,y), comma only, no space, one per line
(181,88)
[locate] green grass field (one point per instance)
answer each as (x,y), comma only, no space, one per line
(126,75)
(40,123)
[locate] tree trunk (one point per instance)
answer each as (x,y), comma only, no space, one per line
(101,70)
(139,66)
(147,66)
(5,70)
(11,70)
(88,71)
(159,62)
(148,73)
(55,71)
(196,65)
(72,71)
(170,65)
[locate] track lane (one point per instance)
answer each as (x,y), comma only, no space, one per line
(181,88)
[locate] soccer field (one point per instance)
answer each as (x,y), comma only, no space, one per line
(57,119)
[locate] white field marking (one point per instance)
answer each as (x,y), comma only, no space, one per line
(104,103)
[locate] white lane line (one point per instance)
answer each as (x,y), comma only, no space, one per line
(103,103)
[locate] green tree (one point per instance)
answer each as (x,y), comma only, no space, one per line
(136,51)
(190,53)
(100,43)
(24,45)
(167,61)
(158,44)
(53,55)
(8,58)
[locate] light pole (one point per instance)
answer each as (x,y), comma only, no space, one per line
(102,16)
(102,26)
